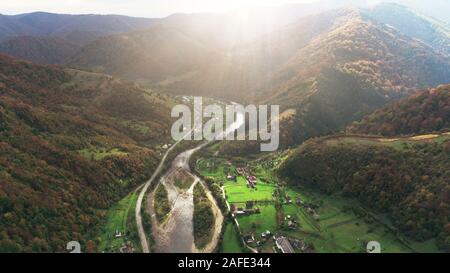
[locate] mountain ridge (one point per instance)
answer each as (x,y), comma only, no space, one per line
(72,144)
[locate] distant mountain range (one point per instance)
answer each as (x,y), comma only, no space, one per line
(51,38)
(39,49)
(352,60)
(290,58)
(193,52)
(426,29)
(64,25)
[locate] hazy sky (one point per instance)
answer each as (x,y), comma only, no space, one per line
(161,8)
(145,8)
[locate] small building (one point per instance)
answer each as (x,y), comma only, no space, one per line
(292,224)
(283,244)
(298,244)
(117,234)
(249,239)
(266,234)
(251,180)
(314,214)
(231,177)
(240,171)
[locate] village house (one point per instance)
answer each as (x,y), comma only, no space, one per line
(231,177)
(126,247)
(314,214)
(251,180)
(283,244)
(266,234)
(240,212)
(298,244)
(292,224)
(117,234)
(249,239)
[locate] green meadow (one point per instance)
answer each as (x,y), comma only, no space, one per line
(238,192)
(340,225)
(231,241)
(120,217)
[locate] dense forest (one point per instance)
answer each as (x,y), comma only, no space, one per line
(409,182)
(72,143)
(425,112)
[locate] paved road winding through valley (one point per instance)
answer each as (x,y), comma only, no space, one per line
(140,226)
(182,161)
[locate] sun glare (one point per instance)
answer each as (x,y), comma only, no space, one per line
(236,5)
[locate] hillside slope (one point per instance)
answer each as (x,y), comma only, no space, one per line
(52,38)
(349,72)
(39,49)
(428,111)
(406,179)
(193,54)
(428,30)
(342,54)
(72,143)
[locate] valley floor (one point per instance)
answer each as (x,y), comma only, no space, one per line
(309,220)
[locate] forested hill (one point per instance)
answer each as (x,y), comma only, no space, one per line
(405,176)
(406,179)
(427,111)
(71,144)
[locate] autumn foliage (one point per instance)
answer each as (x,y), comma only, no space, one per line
(71,143)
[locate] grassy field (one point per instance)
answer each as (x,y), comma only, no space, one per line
(258,223)
(397,143)
(239,192)
(120,218)
(213,168)
(341,224)
(231,241)
(340,229)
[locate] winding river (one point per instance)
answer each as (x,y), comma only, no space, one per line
(175,235)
